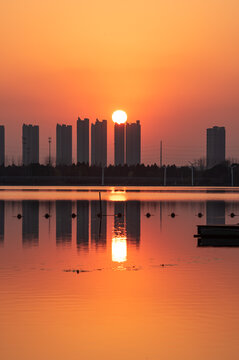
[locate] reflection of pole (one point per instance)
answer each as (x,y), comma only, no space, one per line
(103,176)
(161,153)
(164,175)
(49,141)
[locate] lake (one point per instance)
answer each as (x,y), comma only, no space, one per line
(131,284)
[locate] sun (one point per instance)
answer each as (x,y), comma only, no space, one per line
(119,116)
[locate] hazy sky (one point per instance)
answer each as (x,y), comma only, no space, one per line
(174,65)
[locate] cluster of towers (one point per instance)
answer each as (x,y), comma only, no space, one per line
(127,149)
(127,144)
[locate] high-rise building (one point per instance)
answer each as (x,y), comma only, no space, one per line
(2,145)
(83,141)
(133,143)
(99,143)
(119,130)
(63,144)
(215,146)
(30,144)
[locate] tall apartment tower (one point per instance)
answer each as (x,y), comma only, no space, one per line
(133,143)
(63,144)
(99,143)
(215,146)
(30,144)
(119,130)
(83,141)
(2,145)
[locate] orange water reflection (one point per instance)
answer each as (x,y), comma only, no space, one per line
(174,300)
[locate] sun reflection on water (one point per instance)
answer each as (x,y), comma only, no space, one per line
(119,249)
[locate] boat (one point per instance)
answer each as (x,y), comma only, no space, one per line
(218,242)
(223,231)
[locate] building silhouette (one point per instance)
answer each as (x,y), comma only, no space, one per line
(98,224)
(133,222)
(2,145)
(2,221)
(99,143)
(133,143)
(63,144)
(215,146)
(30,222)
(119,133)
(83,141)
(215,211)
(63,222)
(82,231)
(30,144)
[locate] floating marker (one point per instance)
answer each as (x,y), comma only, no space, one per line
(148,215)
(172,215)
(232,215)
(200,215)
(19,216)
(119,215)
(47,216)
(73,216)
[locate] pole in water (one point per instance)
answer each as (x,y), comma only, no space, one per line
(100,204)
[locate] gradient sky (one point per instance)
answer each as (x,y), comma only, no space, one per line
(171,64)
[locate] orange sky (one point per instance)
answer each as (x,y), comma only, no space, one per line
(173,65)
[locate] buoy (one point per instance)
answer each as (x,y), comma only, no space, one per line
(47,216)
(19,216)
(119,215)
(148,215)
(200,214)
(73,216)
(172,215)
(232,215)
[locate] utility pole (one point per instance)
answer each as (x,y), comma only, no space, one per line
(103,176)
(232,174)
(49,142)
(165,176)
(161,153)
(192,173)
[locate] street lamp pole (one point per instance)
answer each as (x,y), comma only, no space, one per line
(192,173)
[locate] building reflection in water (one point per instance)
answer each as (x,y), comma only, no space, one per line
(63,222)
(133,222)
(119,218)
(30,222)
(2,221)
(82,240)
(98,224)
(215,212)
(126,228)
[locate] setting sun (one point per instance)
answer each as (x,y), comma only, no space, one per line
(119,116)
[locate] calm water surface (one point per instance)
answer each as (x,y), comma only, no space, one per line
(126,286)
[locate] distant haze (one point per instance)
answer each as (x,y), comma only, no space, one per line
(172,65)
